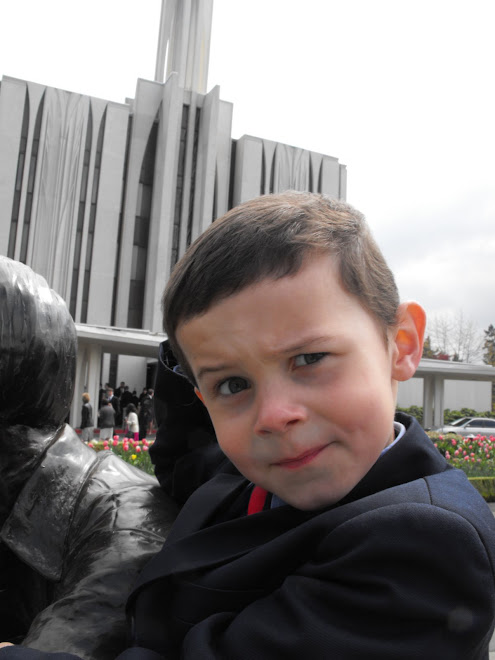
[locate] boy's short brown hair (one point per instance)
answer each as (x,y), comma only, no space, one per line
(269,237)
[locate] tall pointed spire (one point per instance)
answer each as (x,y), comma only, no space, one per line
(184,42)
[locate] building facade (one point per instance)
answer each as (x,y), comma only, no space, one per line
(103,198)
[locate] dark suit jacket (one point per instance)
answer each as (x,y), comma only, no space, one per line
(402,568)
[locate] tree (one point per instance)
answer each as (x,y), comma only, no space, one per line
(455,336)
(489,346)
(428,352)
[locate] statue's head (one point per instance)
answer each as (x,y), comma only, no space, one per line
(38,347)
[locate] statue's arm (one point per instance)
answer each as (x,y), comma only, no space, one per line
(120,522)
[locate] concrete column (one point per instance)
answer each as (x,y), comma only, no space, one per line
(330,177)
(79,383)
(97,112)
(343,182)
(56,195)
(247,174)
(223,158)
(35,94)
(146,105)
(12,100)
(101,281)
(268,167)
(204,187)
(438,401)
(93,356)
(161,233)
(428,402)
(192,100)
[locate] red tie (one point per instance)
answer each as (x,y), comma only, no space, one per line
(257,500)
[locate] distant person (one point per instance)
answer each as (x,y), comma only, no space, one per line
(106,419)
(135,398)
(146,414)
(115,403)
(87,423)
(132,422)
(125,398)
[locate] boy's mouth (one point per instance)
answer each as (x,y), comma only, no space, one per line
(302,459)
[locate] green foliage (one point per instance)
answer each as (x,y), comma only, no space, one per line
(414,411)
(448,415)
(485,486)
(451,415)
(428,351)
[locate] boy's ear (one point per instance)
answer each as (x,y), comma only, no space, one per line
(408,340)
(199,395)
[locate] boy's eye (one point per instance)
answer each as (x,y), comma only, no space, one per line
(308,358)
(232,385)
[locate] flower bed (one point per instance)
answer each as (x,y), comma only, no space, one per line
(475,456)
(135,453)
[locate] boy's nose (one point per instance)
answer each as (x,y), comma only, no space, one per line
(277,413)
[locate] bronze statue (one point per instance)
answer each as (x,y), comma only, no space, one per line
(76,526)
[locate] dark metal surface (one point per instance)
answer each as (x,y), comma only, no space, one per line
(76,527)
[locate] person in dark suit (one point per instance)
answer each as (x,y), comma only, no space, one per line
(115,403)
(125,398)
(313,523)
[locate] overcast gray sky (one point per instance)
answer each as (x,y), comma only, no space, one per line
(399,91)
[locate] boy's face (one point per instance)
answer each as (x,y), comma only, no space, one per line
(299,383)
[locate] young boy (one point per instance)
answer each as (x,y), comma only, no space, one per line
(322,528)
(286,318)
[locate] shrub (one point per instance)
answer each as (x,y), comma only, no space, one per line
(485,486)
(448,415)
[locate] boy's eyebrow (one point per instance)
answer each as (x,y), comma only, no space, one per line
(302,345)
(211,370)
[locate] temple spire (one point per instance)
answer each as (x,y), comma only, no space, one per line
(184,42)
